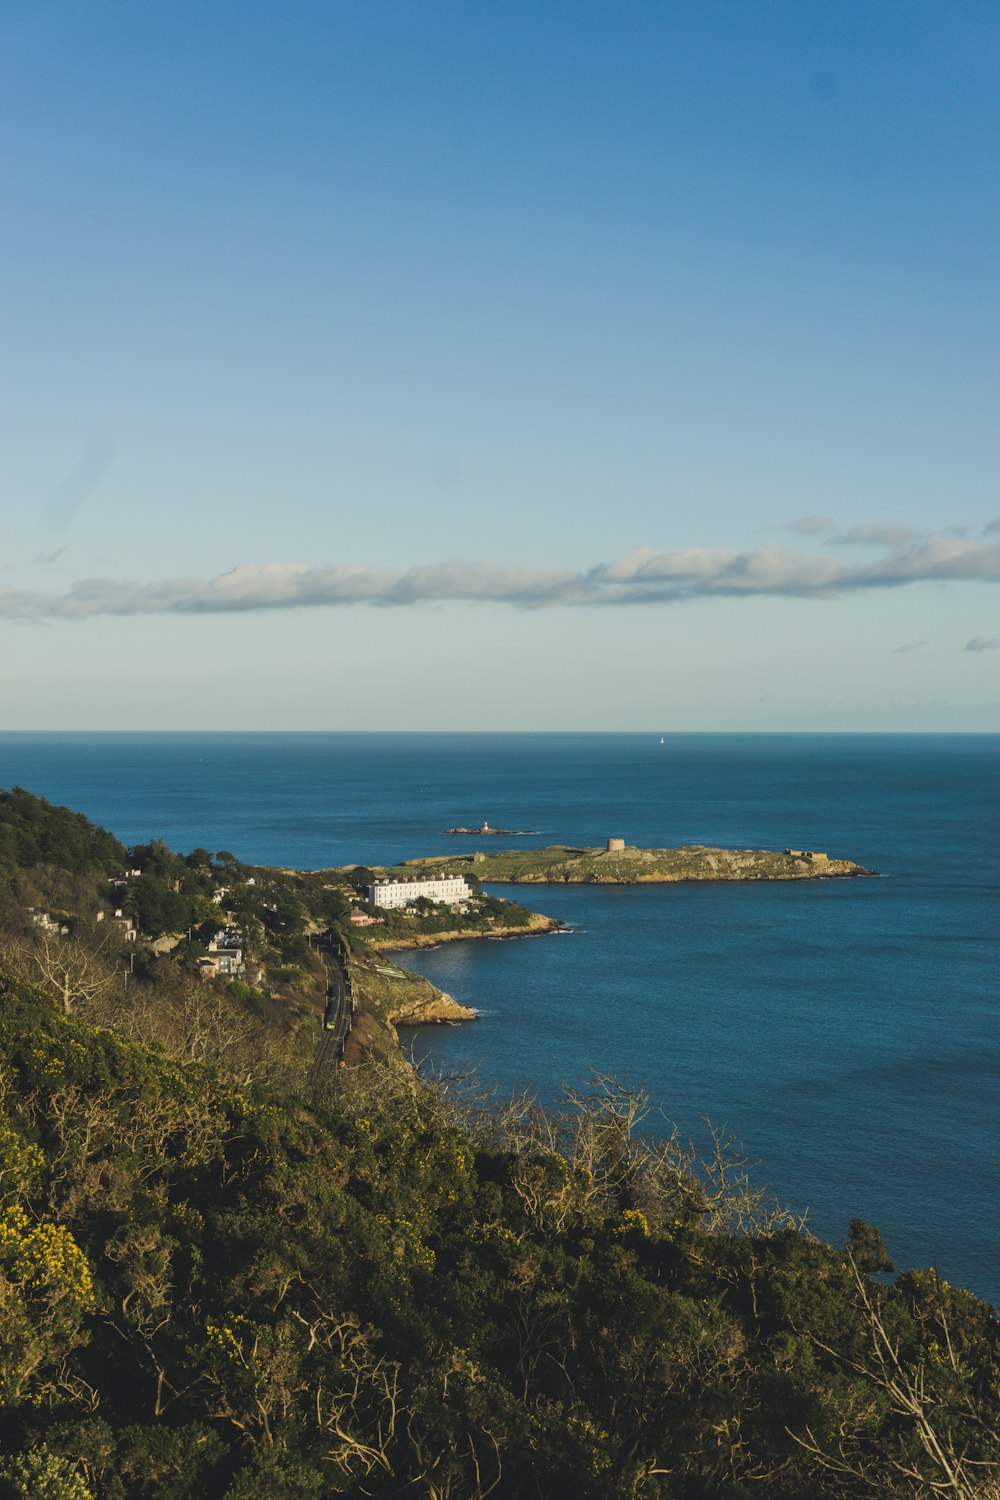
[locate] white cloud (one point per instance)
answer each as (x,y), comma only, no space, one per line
(640,577)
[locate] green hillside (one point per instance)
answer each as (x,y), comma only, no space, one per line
(214,1290)
(34,832)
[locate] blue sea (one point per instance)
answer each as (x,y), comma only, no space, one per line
(848,1032)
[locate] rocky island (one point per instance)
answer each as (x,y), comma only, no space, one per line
(618,863)
(486,832)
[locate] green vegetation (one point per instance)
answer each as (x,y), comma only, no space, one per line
(115,936)
(225,1275)
(217,1290)
(560,864)
(33,832)
(480,916)
(129,939)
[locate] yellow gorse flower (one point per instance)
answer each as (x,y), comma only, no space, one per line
(44,1257)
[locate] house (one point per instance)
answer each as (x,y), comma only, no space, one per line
(125,925)
(229,936)
(227,961)
(47,923)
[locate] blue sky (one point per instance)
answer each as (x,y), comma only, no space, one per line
(528,366)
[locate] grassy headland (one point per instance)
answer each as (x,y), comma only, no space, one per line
(563,864)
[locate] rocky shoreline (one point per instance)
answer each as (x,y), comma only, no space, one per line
(536,926)
(391,996)
(442,1011)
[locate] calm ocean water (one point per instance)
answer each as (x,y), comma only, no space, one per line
(847,1031)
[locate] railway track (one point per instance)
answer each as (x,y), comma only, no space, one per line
(338,1016)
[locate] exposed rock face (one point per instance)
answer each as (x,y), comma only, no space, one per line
(440,1011)
(387,997)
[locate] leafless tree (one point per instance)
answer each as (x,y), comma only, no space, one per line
(76,976)
(732,1199)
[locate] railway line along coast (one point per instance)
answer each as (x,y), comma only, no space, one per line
(340,1005)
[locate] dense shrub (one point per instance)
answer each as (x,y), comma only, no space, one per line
(208,1290)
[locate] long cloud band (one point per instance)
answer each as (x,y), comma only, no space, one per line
(642,577)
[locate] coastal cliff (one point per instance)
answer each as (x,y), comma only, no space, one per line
(562,864)
(388,996)
(440,1011)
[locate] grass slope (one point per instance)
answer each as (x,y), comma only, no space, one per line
(630,866)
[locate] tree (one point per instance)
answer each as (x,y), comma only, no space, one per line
(332,902)
(34,832)
(75,976)
(157,908)
(867,1248)
(938,1385)
(208,1027)
(360,878)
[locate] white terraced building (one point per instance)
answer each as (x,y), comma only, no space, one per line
(446,888)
